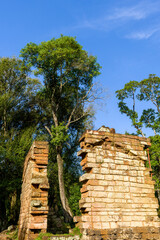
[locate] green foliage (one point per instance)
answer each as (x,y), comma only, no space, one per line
(75,231)
(59,134)
(145,90)
(17,94)
(41,235)
(155,164)
(18,121)
(155,161)
(74,197)
(150,89)
(71,179)
(52,168)
(12,155)
(67,71)
(127,133)
(128,92)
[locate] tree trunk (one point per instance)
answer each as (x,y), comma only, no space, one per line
(66,209)
(65,205)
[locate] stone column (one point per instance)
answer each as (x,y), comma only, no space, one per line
(34,195)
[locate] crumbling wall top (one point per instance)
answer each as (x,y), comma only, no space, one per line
(94,136)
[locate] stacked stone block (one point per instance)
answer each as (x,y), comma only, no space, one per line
(34,195)
(117,195)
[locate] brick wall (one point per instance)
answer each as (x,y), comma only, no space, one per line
(117,195)
(34,194)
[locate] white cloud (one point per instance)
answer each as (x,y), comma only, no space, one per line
(120,16)
(137,12)
(127,13)
(142,34)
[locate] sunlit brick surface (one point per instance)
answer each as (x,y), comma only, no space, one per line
(34,195)
(117,195)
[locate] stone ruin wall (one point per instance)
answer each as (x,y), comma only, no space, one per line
(117,195)
(34,195)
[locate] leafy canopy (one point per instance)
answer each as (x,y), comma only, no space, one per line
(147,90)
(18,121)
(67,72)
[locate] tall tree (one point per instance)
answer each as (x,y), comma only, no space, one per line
(68,73)
(18,120)
(129,92)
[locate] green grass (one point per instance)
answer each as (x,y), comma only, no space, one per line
(41,235)
(75,231)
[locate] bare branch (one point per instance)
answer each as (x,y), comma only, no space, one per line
(140,131)
(154,131)
(153,100)
(48,131)
(77,104)
(55,118)
(75,120)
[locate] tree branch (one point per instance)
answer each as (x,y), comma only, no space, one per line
(83,115)
(48,131)
(77,104)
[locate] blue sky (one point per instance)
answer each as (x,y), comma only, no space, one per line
(124,35)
